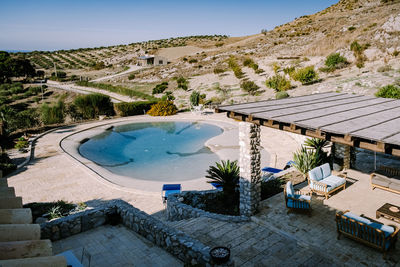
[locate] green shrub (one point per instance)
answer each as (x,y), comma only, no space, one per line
(281,95)
(254,66)
(160,88)
(60,74)
(195,98)
(389,91)
(237,71)
(247,62)
(6,165)
(305,75)
(335,61)
(52,114)
(384,68)
(133,108)
(289,70)
(182,83)
(193,60)
(54,209)
(163,108)
(99,65)
(218,71)
(92,105)
(21,143)
(249,87)
(235,67)
(131,76)
(168,96)
(278,83)
(358,51)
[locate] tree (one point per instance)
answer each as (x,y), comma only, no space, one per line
(14,67)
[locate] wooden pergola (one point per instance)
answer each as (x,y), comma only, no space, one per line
(360,121)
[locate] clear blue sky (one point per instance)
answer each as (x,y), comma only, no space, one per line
(59,24)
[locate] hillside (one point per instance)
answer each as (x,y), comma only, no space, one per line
(208,62)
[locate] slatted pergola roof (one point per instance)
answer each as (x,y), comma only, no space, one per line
(360,121)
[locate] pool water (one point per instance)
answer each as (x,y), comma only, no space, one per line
(157,151)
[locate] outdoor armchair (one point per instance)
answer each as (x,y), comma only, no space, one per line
(296,200)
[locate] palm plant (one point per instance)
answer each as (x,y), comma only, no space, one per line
(306,159)
(225,174)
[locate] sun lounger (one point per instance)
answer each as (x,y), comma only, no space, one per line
(169,189)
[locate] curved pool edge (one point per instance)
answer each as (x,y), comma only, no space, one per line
(224,146)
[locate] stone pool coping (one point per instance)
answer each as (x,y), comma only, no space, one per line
(225,146)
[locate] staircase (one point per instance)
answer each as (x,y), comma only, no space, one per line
(20,243)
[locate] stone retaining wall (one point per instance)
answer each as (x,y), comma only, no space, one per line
(176,242)
(176,210)
(76,223)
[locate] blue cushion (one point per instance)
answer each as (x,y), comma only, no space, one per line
(326,170)
(388,230)
(333,182)
(315,174)
(357,218)
(170,192)
(297,204)
(289,189)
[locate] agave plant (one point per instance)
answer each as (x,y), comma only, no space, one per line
(318,145)
(226,174)
(306,159)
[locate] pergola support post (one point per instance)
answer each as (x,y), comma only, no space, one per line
(250,172)
(345,153)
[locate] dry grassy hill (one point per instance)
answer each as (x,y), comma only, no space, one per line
(204,61)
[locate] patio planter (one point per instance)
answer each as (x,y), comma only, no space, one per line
(220,255)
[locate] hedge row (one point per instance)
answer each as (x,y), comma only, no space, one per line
(133,108)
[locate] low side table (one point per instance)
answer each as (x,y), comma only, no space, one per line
(388,211)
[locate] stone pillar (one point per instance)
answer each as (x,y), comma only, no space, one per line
(250,172)
(345,153)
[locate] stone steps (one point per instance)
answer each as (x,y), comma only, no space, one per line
(15,216)
(10,202)
(7,192)
(20,243)
(52,261)
(19,232)
(25,249)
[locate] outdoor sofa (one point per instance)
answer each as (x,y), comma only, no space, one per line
(322,181)
(369,232)
(386,178)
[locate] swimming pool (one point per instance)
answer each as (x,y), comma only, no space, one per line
(156,151)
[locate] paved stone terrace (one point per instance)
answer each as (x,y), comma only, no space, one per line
(116,246)
(252,244)
(319,230)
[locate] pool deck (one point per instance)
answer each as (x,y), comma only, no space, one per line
(55,175)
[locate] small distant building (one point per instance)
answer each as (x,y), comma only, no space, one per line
(151,60)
